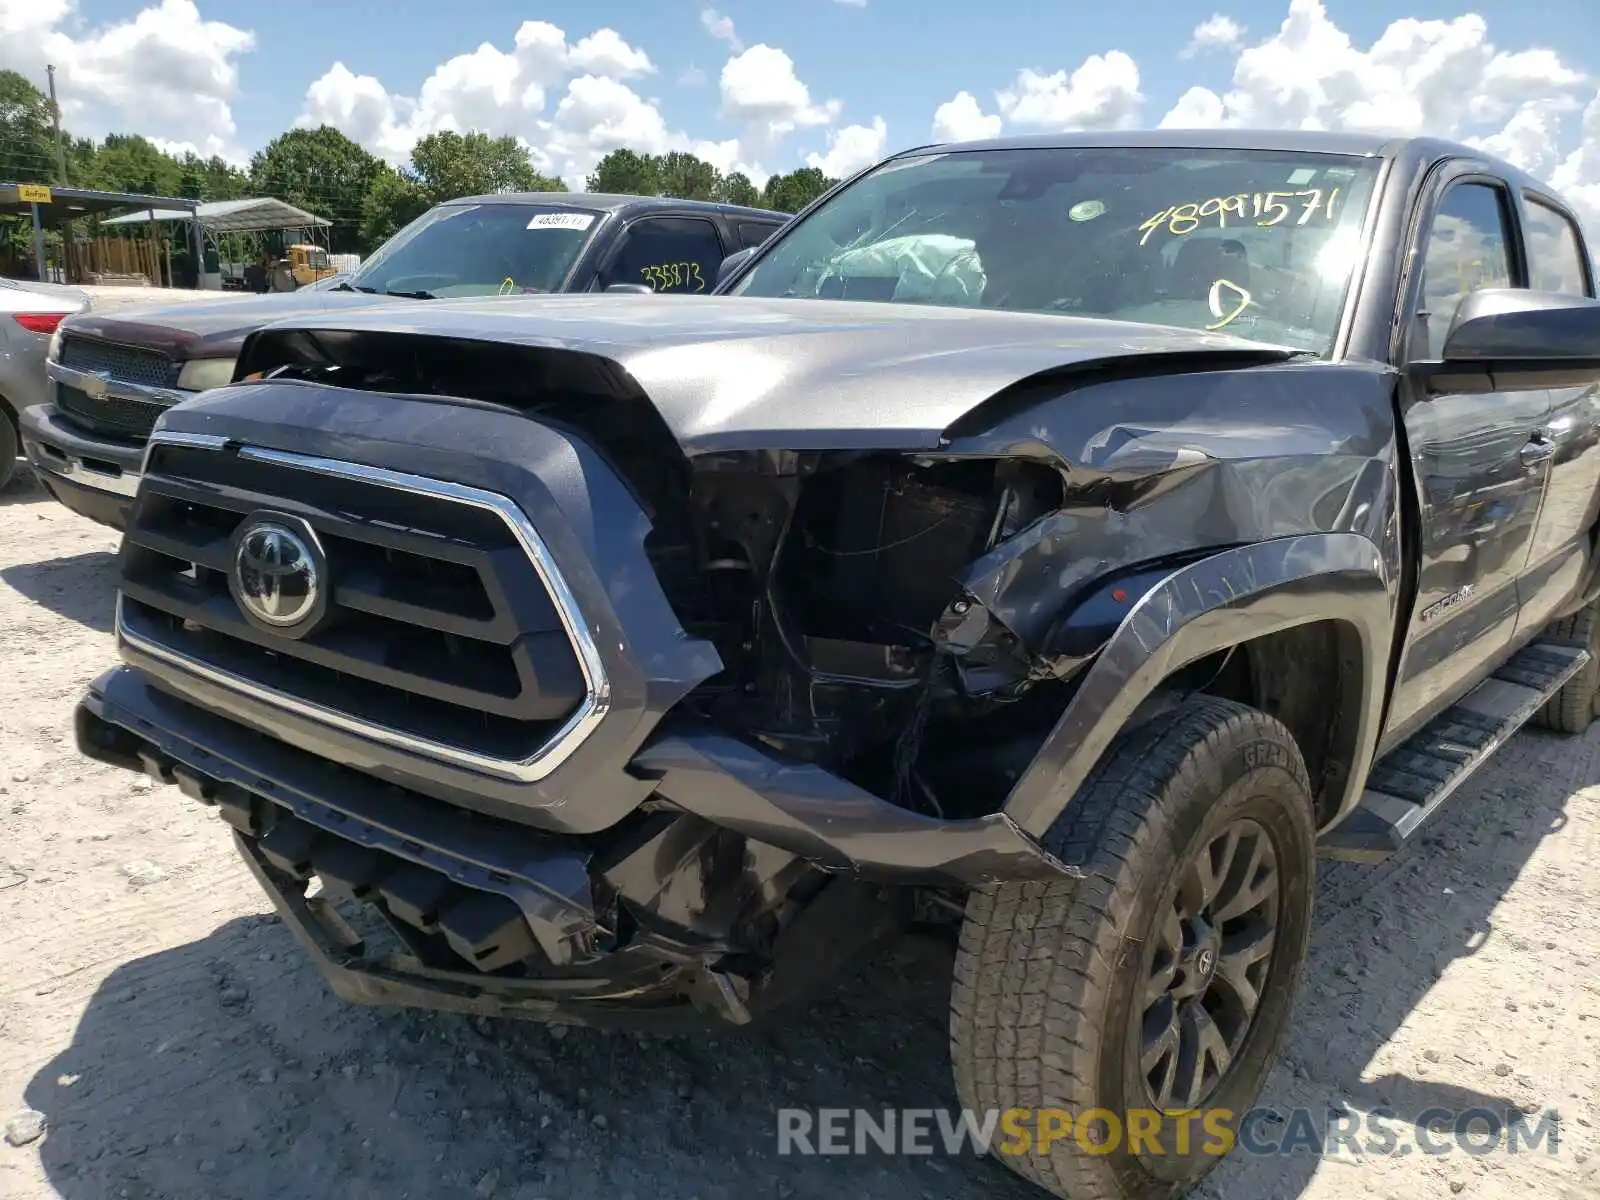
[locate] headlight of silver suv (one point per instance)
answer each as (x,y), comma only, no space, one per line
(201,373)
(53,351)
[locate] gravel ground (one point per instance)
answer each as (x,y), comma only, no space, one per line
(178,1045)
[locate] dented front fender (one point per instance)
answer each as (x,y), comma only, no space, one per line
(1221,601)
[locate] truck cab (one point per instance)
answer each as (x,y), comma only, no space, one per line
(1065,541)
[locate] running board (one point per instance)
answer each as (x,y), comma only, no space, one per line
(1416,777)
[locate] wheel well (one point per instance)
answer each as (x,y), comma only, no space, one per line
(1310,678)
(9,411)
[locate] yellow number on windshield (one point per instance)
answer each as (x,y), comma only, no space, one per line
(1264,208)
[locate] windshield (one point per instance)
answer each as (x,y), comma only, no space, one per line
(480,250)
(1257,243)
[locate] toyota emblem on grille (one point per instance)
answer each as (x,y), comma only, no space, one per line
(276,576)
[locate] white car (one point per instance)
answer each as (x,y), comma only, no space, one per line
(29,316)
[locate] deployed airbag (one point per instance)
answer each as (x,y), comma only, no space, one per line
(931,268)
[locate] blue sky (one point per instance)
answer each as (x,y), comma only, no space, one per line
(854,78)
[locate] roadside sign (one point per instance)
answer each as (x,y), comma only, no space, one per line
(33,193)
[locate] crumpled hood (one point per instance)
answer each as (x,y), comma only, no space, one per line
(732,373)
(212,328)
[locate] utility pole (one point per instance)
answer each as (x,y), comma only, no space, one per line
(55,113)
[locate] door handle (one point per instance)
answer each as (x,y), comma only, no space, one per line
(1537,449)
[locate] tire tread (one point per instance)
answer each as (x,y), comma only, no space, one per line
(1058,942)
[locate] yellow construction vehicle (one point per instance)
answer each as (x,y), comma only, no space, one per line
(308,263)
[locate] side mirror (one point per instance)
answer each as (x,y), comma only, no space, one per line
(631,289)
(1509,339)
(731,265)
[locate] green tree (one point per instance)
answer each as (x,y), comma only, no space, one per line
(211,179)
(324,172)
(126,162)
(686,177)
(27,138)
(736,188)
(447,165)
(792,192)
(625,173)
(394,201)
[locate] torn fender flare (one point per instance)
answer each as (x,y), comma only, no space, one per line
(1220,601)
(830,821)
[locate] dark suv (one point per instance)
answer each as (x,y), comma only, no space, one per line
(113,375)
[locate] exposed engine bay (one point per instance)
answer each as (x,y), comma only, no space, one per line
(830,583)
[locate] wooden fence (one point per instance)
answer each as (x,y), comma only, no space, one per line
(94,260)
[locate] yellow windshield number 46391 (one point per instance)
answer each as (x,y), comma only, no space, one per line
(684,275)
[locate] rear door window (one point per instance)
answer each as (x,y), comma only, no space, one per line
(1555,253)
(668,254)
(753,233)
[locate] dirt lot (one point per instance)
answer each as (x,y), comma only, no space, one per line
(180,1047)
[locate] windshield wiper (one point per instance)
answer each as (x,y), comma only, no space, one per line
(418,295)
(347,287)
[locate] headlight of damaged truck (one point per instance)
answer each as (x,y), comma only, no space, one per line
(202,373)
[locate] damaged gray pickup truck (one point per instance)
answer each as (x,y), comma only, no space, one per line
(1065,538)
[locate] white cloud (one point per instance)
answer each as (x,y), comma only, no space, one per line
(851,148)
(1578,176)
(961,119)
(692,77)
(1198,108)
(604,52)
(761,90)
(360,108)
(727,157)
(508,92)
(1103,93)
(1216,32)
(165,72)
(569,103)
(598,115)
(721,28)
(1419,76)
(1529,138)
(851,3)
(1439,77)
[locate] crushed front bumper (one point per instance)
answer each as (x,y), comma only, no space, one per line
(627,928)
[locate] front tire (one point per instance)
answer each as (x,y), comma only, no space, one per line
(1195,834)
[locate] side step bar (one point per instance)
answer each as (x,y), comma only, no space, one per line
(1419,775)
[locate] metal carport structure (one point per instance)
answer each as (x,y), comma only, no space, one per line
(219,218)
(256,215)
(56,207)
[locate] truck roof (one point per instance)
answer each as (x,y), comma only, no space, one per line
(1409,152)
(610,203)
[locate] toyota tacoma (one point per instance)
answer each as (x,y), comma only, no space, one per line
(112,375)
(1070,537)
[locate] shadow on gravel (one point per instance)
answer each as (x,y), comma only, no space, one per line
(224,1069)
(22,488)
(82,588)
(1384,935)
